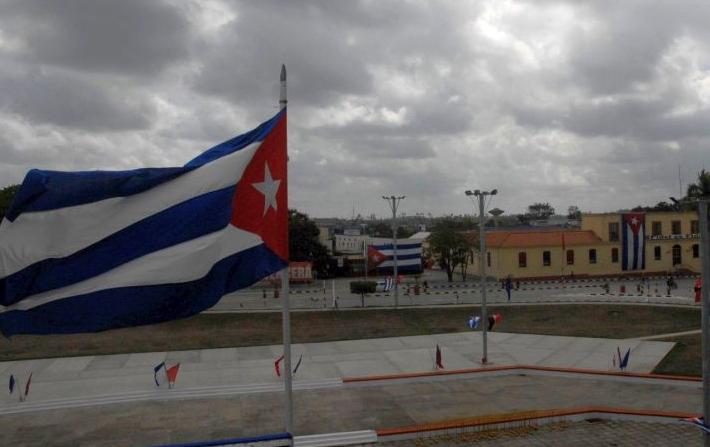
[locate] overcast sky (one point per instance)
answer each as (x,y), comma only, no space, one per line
(587,103)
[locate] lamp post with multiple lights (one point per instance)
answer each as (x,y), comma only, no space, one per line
(481,197)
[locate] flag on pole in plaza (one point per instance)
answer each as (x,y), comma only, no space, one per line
(698,422)
(27,385)
(624,363)
(157,369)
(633,241)
(12,383)
(298,364)
(474,322)
(172,373)
(439,363)
(95,250)
(409,255)
(277,365)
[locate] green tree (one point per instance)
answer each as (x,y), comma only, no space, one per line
(7,194)
(701,188)
(303,242)
(540,210)
(450,247)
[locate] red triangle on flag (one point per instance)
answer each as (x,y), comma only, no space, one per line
(374,257)
(172,373)
(260,203)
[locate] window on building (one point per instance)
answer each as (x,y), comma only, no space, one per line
(677,258)
(546,258)
(657,253)
(614,231)
(656,229)
(592,256)
(488,258)
(675,227)
(570,257)
(694,227)
(696,250)
(522,259)
(614,255)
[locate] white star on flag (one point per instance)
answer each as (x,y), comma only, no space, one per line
(634,221)
(269,187)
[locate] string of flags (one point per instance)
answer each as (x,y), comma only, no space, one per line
(170,373)
(623,363)
(277,365)
(22,396)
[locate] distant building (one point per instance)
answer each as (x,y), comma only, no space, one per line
(667,242)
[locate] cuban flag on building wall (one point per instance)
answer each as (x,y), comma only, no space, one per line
(633,241)
(409,255)
(95,250)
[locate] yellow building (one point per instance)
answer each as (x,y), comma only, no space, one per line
(669,243)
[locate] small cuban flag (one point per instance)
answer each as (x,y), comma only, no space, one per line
(474,322)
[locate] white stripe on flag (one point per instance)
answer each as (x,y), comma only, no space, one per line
(400,252)
(35,236)
(401,262)
(629,246)
(180,263)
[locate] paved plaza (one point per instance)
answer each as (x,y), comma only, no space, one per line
(113,400)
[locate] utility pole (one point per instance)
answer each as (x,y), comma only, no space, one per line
(481,196)
(705,293)
(393,202)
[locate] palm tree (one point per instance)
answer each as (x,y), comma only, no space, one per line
(701,188)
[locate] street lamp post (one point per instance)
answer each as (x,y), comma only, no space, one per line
(393,202)
(705,294)
(481,196)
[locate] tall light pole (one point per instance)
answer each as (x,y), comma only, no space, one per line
(705,294)
(481,196)
(393,202)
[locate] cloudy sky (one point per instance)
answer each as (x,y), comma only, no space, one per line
(587,103)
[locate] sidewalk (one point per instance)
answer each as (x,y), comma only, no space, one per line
(67,382)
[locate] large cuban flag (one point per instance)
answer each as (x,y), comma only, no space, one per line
(88,251)
(381,255)
(633,240)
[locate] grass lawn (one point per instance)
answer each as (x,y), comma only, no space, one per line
(231,330)
(685,358)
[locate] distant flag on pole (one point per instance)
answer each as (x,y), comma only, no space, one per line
(156,369)
(12,383)
(89,251)
(474,322)
(698,422)
(277,366)
(623,364)
(172,373)
(298,364)
(439,363)
(27,385)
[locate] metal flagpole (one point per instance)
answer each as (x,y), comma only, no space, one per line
(285,311)
(705,294)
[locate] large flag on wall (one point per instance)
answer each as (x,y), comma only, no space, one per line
(633,241)
(88,251)
(381,255)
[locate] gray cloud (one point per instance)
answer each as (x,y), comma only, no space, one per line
(127,36)
(588,103)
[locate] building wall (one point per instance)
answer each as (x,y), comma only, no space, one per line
(504,260)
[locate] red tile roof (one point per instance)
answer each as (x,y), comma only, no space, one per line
(513,239)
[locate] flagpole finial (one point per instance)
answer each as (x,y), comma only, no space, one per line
(282,96)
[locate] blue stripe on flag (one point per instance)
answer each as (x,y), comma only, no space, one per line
(137,305)
(399,247)
(624,244)
(636,251)
(183,222)
(404,257)
(47,190)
